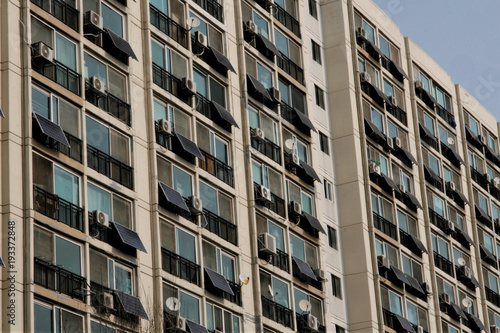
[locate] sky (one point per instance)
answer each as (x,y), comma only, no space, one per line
(462,36)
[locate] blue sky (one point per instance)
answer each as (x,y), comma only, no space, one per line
(463,37)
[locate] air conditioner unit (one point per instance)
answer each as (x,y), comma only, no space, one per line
(251,28)
(258,134)
(402,188)
(365,77)
(390,143)
(195,205)
(374,168)
(320,274)
(188,85)
(108,300)
(295,159)
(97,85)
(93,21)
(420,329)
(180,323)
(452,186)
(268,243)
(427,288)
(419,85)
(41,51)
(467,272)
(495,329)
(101,218)
(393,100)
(200,39)
(361,32)
(449,227)
(275,94)
(311,323)
(264,194)
(482,138)
(396,142)
(445,298)
(295,208)
(165,126)
(384,262)
(488,177)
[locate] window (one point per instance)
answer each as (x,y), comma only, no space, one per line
(391,301)
(49,318)
(303,250)
(374,156)
(216,202)
(111,274)
(295,193)
(491,140)
(471,309)
(316,52)
(219,261)
(173,8)
(287,47)
(265,225)
(259,71)
(436,204)
(402,177)
(213,144)
(180,121)
(265,176)
(490,281)
(421,76)
(447,288)
(442,98)
(481,200)
(391,90)
(300,148)
(382,207)
(96,327)
(221,320)
(472,123)
(486,240)
(258,119)
(115,82)
(313,9)
(280,289)
(446,137)
(178,241)
(441,246)
(451,176)
(292,96)
(209,88)
(328,188)
(118,208)
(332,237)
(375,116)
(336,286)
(388,49)
(108,141)
(215,37)
(359,21)
(476,162)
(416,315)
(387,250)
(366,66)
(320,96)
(407,223)
(412,267)
(173,176)
(288,5)
(323,142)
(457,218)
(169,60)
(112,19)
(494,318)
(447,328)
(190,308)
(316,306)
(339,329)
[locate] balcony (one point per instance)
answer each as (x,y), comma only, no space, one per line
(180,267)
(446,115)
(444,264)
(110,167)
(268,148)
(398,113)
(109,103)
(169,27)
(53,206)
(217,168)
(56,278)
(290,22)
(123,305)
(428,137)
(277,312)
(276,205)
(439,221)
(385,226)
(291,68)
(494,191)
(398,323)
(75,152)
(297,118)
(412,242)
(221,227)
(479,178)
(169,83)
(205,107)
(59,73)
(213,8)
(492,296)
(236,288)
(279,260)
(61,10)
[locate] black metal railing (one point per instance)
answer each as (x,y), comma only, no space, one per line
(53,206)
(111,104)
(435,181)
(168,82)
(61,10)
(161,138)
(443,264)
(56,278)
(204,106)
(284,17)
(446,115)
(110,166)
(494,191)
(277,204)
(291,68)
(97,300)
(169,27)
(289,114)
(492,296)
(216,167)
(75,152)
(384,225)
(60,74)
(398,113)
(277,312)
(479,178)
(180,267)
(429,138)
(280,260)
(302,324)
(221,227)
(439,221)
(213,8)
(103,234)
(236,298)
(268,148)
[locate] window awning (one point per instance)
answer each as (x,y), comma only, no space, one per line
(131,304)
(195,328)
(428,98)
(465,237)
(408,155)
(269,45)
(389,183)
(454,156)
(398,69)
(477,322)
(475,282)
(189,146)
(415,284)
(304,268)
(372,48)
(418,243)
(458,311)
(471,135)
(51,129)
(305,120)
(372,129)
(400,275)
(120,43)
(486,253)
(310,171)
(129,237)
(481,214)
(255,85)
(221,59)
(491,155)
(430,173)
(380,94)
(413,199)
(173,197)
(224,114)
(425,132)
(457,195)
(218,281)
(314,222)
(404,324)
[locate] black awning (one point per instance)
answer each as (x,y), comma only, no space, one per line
(430,98)
(425,132)
(400,275)
(1,262)
(398,69)
(413,199)
(305,120)
(310,171)
(414,284)
(221,59)
(374,48)
(224,114)
(314,222)
(458,311)
(475,282)
(269,45)
(456,156)
(255,85)
(404,324)
(120,43)
(477,322)
(390,183)
(481,214)
(195,328)
(304,268)
(471,135)
(465,236)
(372,129)
(1,114)
(430,173)
(189,146)
(129,237)
(486,253)
(381,94)
(218,281)
(173,197)
(51,129)
(457,195)
(491,155)
(131,304)
(408,155)
(418,243)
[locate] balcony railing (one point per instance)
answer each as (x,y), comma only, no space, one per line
(237,293)
(60,74)
(288,113)
(398,113)
(286,19)
(390,321)
(110,166)
(268,148)
(61,10)
(216,167)
(111,104)
(213,8)
(443,264)
(479,178)
(302,324)
(180,267)
(291,68)
(446,115)
(280,260)
(53,206)
(439,221)
(494,191)
(168,82)
(221,227)
(384,225)
(277,312)
(59,279)
(435,181)
(492,296)
(204,106)
(75,152)
(168,26)
(277,205)
(97,301)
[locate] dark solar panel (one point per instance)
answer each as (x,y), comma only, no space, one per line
(129,237)
(414,200)
(314,222)
(1,262)
(482,214)
(222,59)
(400,275)
(195,328)
(305,120)
(173,196)
(304,268)
(475,282)
(461,197)
(131,304)
(189,146)
(431,173)
(226,115)
(414,284)
(121,44)
(218,281)
(51,129)
(399,69)
(269,45)
(256,85)
(418,244)
(373,129)
(310,171)
(487,253)
(477,322)
(458,157)
(404,324)
(458,310)
(466,237)
(409,156)
(426,131)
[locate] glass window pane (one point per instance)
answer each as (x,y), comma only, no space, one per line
(182,182)
(117,84)
(217,93)
(412,313)
(93,67)
(43,319)
(160,110)
(98,269)
(122,211)
(190,308)
(297,247)
(378,120)
(112,20)
(66,52)
(228,267)
(68,256)
(123,280)
(69,118)
(257,172)
(41,33)
(280,290)
(158,54)
(395,302)
(178,65)
(307,204)
(96,327)
(277,232)
(97,135)
(281,42)
(186,246)
(201,83)
(261,24)
(299,296)
(208,196)
(40,102)
(264,76)
(99,199)
(71,323)
(119,147)
(66,185)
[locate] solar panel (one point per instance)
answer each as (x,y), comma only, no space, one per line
(314,222)
(222,59)
(466,237)
(482,214)
(414,200)
(400,275)
(305,120)
(120,43)
(458,310)
(259,87)
(1,262)
(389,182)
(475,282)
(226,115)
(373,129)
(310,171)
(131,304)
(304,268)
(195,328)
(477,322)
(461,197)
(129,237)
(404,324)
(409,156)
(173,197)
(418,244)
(51,129)
(189,146)
(414,284)
(218,281)
(269,45)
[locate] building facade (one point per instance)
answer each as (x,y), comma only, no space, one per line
(245,166)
